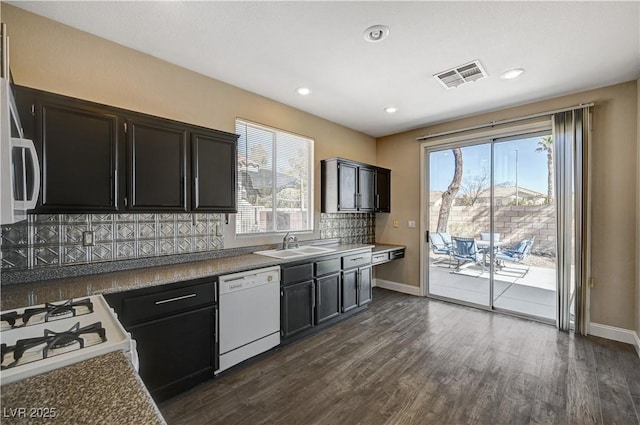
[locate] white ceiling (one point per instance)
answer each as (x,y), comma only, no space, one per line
(271,48)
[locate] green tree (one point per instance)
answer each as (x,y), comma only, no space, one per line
(546,145)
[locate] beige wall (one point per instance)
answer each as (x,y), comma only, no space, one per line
(57,58)
(615,159)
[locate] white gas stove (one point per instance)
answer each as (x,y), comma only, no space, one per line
(41,338)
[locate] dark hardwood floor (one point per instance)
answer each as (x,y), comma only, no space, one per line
(411,360)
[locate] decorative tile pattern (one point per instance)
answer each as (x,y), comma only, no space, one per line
(349,228)
(17,258)
(102,252)
(75,254)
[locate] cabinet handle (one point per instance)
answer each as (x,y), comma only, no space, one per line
(377,201)
(356,259)
(319,295)
(170,300)
(313,295)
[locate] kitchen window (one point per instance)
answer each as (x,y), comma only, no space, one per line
(275,181)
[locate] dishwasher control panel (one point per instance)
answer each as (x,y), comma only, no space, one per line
(249,279)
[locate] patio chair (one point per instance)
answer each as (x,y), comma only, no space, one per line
(464,250)
(516,254)
(438,245)
(446,238)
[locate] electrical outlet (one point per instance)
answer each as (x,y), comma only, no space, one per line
(411,224)
(88,238)
(396,223)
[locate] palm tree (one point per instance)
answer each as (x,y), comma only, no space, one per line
(449,195)
(546,145)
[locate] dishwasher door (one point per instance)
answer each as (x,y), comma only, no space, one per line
(249,314)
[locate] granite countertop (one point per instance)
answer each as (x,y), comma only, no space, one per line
(102,390)
(25,294)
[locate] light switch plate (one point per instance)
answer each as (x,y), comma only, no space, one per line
(411,224)
(88,238)
(396,223)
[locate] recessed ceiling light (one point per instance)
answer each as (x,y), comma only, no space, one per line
(391,109)
(303,91)
(512,73)
(376,33)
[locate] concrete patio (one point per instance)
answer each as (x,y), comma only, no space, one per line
(532,293)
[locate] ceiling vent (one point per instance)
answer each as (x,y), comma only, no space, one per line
(460,75)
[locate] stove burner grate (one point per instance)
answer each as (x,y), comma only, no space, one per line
(51,341)
(51,311)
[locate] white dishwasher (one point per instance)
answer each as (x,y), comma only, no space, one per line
(249,314)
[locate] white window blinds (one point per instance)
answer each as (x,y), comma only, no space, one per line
(275,190)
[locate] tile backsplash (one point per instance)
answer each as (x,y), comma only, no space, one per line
(48,240)
(349,228)
(56,239)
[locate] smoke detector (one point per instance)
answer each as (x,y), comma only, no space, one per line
(460,75)
(376,33)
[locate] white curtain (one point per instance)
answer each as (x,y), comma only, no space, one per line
(571,167)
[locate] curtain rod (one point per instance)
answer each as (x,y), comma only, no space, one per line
(501,122)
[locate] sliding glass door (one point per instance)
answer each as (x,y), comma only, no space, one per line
(491,225)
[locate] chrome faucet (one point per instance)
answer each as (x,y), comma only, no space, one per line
(289,240)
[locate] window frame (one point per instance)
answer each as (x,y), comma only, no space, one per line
(274,152)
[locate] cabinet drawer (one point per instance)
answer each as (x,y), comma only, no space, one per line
(396,254)
(327,266)
(356,260)
(299,273)
(165,303)
(380,257)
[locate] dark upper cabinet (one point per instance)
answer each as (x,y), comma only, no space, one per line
(347,187)
(383,190)
(350,186)
(79,147)
(97,158)
(213,172)
(157,166)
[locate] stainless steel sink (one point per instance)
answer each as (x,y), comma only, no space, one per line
(295,252)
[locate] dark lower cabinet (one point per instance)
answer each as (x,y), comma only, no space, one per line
(175,329)
(349,290)
(297,305)
(365,294)
(176,352)
(328,298)
(157,177)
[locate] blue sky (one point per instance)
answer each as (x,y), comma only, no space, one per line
(531,165)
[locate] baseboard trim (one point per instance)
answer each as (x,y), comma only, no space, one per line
(616,334)
(398,287)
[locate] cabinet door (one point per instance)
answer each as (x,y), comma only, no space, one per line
(176,352)
(366,189)
(383,190)
(364,286)
(214,173)
(347,187)
(78,149)
(349,290)
(297,308)
(328,300)
(157,166)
